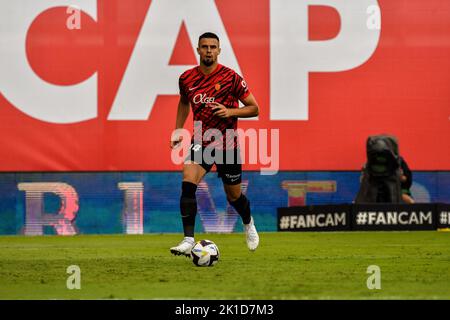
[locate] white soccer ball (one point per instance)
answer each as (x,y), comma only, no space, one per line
(205,253)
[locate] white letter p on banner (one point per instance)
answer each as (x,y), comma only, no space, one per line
(293,56)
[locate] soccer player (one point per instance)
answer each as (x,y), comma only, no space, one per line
(213,91)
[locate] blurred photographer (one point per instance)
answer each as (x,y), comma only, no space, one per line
(386,177)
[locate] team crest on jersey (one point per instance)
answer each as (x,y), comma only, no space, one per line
(217,86)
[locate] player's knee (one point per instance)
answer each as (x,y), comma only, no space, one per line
(232,198)
(233,192)
(193,173)
(233,195)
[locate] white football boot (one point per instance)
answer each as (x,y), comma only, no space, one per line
(184,247)
(251,235)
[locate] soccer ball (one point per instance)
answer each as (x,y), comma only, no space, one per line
(205,253)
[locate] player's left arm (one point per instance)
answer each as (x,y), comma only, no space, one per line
(250,109)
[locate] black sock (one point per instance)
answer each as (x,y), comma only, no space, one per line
(242,206)
(188,207)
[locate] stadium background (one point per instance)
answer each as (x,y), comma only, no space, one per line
(103,207)
(401,88)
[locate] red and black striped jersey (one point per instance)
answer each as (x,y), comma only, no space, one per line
(224,86)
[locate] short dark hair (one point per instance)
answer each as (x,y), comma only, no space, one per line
(208,35)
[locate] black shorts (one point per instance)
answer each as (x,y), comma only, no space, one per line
(228,162)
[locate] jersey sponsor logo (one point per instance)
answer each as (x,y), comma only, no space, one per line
(202,98)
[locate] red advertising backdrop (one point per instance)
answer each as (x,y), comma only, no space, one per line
(402,89)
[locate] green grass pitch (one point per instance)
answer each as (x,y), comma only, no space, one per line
(414,265)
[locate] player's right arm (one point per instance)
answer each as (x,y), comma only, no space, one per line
(182,114)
